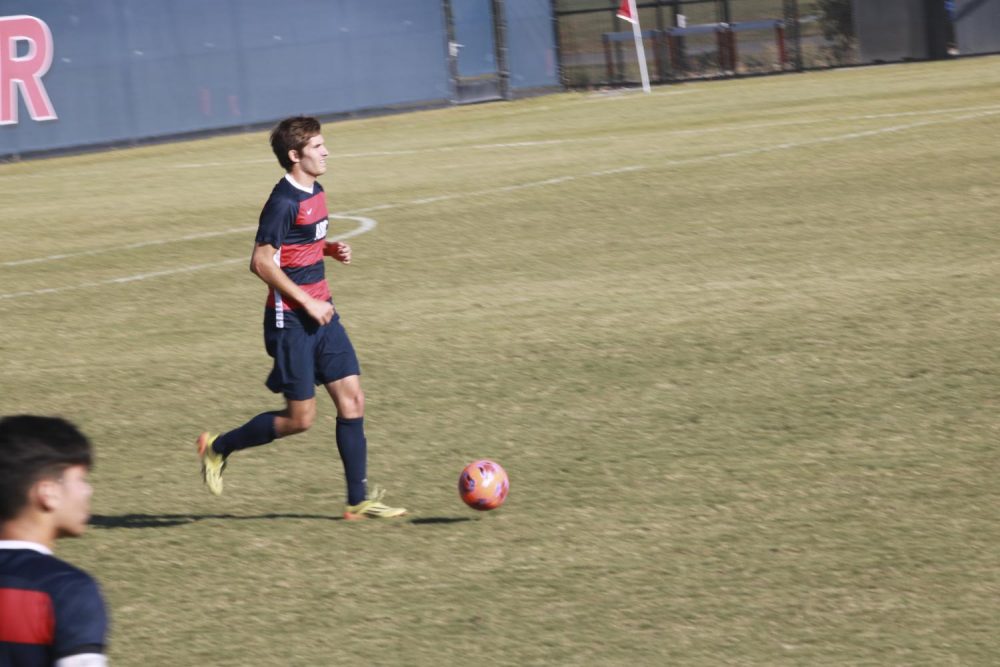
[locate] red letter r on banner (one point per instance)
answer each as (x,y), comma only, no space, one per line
(25,72)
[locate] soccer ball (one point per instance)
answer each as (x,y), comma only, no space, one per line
(483,485)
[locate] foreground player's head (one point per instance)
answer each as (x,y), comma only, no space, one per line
(298,145)
(44,492)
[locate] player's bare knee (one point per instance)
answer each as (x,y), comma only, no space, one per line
(300,419)
(352,406)
(299,424)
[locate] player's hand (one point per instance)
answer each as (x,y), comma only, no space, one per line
(339,251)
(321,311)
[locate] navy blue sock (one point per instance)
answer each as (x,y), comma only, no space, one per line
(353,450)
(257,431)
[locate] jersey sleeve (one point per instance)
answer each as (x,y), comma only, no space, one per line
(81,618)
(276,219)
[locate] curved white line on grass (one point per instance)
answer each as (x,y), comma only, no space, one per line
(352,215)
(364,225)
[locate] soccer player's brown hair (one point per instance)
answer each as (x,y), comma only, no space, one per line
(292,134)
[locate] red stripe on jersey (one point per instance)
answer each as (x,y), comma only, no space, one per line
(305,254)
(312,210)
(320,290)
(26,617)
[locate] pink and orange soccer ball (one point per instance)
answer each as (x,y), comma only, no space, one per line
(483,485)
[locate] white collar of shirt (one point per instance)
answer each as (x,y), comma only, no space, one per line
(20,544)
(288,177)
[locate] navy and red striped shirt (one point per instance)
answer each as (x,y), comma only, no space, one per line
(49,609)
(295,221)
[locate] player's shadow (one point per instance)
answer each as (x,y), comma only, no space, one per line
(432,520)
(168,520)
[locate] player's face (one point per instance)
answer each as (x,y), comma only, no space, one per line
(73,509)
(312,158)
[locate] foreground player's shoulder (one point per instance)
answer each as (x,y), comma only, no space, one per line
(66,613)
(41,568)
(67,572)
(80,613)
(73,587)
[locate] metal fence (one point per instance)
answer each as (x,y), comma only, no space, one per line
(687,39)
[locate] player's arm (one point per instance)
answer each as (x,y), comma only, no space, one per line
(262,265)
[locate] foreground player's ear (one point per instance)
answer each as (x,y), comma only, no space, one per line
(293,155)
(48,494)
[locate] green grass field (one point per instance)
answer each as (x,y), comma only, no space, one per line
(735,342)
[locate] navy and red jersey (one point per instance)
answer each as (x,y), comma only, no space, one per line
(295,221)
(49,609)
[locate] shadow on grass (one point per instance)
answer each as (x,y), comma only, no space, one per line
(439,519)
(168,520)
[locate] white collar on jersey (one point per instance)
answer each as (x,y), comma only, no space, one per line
(288,177)
(20,544)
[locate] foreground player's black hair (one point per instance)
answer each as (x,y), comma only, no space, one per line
(34,448)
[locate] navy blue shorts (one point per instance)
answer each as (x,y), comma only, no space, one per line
(306,355)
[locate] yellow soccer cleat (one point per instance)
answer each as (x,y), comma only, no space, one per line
(372,508)
(212,463)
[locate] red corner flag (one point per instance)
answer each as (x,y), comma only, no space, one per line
(625,12)
(628,11)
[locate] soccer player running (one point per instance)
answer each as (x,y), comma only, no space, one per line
(51,613)
(302,330)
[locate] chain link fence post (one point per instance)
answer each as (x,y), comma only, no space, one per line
(793,33)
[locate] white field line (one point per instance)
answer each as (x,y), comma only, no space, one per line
(991,111)
(850,136)
(412,151)
(131,246)
(178,239)
(840,119)
(364,225)
(504,188)
(733,127)
(631,93)
(987,112)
